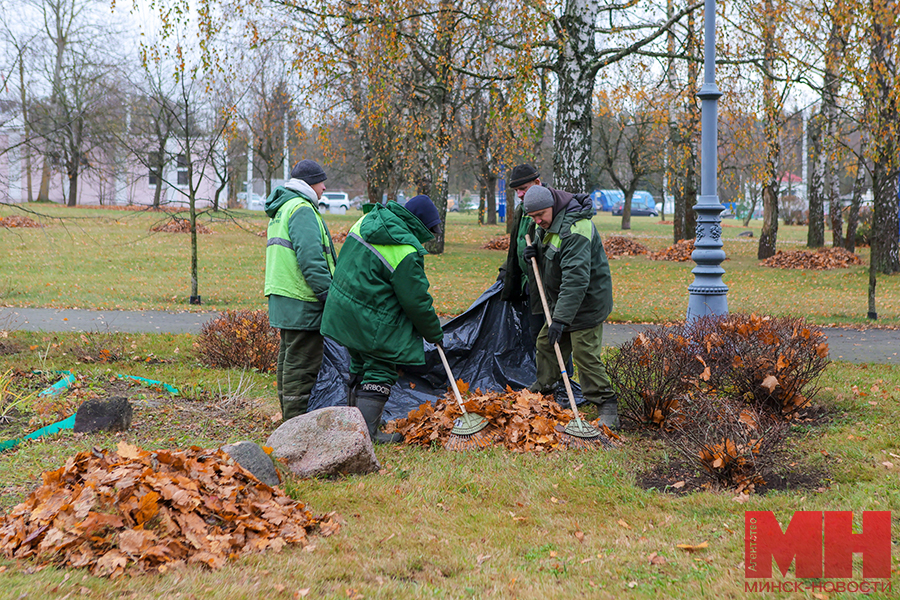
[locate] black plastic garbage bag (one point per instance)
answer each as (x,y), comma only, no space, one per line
(489,346)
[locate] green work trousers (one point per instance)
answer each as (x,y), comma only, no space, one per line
(585,345)
(372,369)
(299,359)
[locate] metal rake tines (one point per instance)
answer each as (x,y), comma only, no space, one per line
(477,441)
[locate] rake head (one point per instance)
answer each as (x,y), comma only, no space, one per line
(468,424)
(484,438)
(578,435)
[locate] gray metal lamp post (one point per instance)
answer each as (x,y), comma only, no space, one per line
(708,293)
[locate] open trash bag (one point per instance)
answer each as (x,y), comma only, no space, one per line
(489,346)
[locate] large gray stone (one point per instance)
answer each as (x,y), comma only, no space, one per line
(326,442)
(103,415)
(254,459)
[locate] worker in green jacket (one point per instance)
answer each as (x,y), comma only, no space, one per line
(300,262)
(578,285)
(379,307)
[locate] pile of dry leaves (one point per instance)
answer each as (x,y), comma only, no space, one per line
(157,510)
(680,252)
(18,221)
(820,260)
(618,245)
(519,421)
(177,225)
(338,237)
(497,243)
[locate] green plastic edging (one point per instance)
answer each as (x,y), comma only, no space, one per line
(67,423)
(165,386)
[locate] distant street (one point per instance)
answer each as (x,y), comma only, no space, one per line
(880,346)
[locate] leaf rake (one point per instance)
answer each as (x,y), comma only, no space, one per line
(469,430)
(577,433)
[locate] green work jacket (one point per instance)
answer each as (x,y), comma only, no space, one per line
(379,302)
(300,258)
(574,269)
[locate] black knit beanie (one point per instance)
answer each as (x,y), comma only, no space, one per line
(308,171)
(522,174)
(425,210)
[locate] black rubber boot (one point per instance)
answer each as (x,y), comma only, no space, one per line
(352,387)
(608,411)
(370,400)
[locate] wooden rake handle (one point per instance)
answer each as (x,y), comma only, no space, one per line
(559,356)
(450,377)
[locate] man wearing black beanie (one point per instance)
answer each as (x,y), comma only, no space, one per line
(379,307)
(300,261)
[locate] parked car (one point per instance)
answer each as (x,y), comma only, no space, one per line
(642,205)
(331,200)
(256,202)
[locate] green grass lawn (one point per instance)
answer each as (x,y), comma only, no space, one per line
(91,258)
(434,524)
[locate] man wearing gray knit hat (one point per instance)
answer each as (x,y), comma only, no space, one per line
(575,274)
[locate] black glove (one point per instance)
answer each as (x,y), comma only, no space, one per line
(502,274)
(555,331)
(321,297)
(530,252)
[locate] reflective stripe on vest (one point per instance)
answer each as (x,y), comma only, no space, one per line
(283,276)
(389,255)
(584,227)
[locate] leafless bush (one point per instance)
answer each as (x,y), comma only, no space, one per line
(240,339)
(650,373)
(731,442)
(772,363)
(97,347)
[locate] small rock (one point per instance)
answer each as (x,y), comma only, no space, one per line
(254,459)
(325,442)
(745,234)
(103,415)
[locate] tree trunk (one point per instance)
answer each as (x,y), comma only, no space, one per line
(769,236)
(73,189)
(815,237)
(572,132)
(885,225)
(26,128)
(856,195)
(831,87)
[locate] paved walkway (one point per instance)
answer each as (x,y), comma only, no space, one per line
(880,346)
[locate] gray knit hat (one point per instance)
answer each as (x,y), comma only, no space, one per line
(537,198)
(309,171)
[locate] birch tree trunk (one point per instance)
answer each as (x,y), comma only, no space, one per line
(769,234)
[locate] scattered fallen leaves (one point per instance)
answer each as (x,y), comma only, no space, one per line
(156,510)
(617,245)
(656,559)
(519,421)
(819,260)
(692,548)
(339,237)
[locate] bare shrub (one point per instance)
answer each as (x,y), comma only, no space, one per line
(97,347)
(772,363)
(732,443)
(651,372)
(240,339)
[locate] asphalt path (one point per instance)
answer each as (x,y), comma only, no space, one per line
(880,346)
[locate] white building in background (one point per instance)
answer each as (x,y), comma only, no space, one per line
(111,180)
